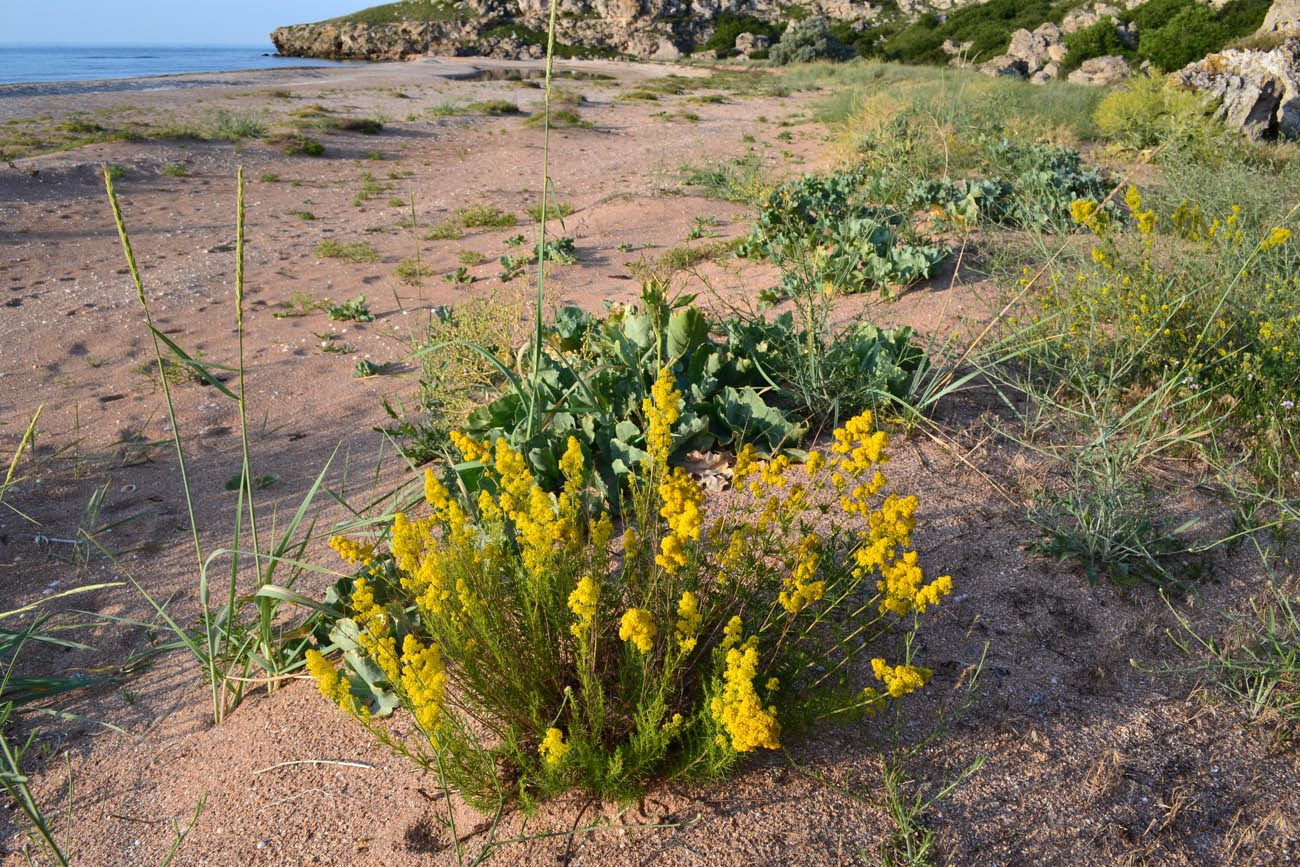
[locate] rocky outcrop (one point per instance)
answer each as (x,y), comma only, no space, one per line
(748,43)
(1257,91)
(1035,54)
(1283,18)
(660,29)
(1101,71)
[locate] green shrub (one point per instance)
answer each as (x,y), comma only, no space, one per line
(808,40)
(818,226)
(359,252)
(1146,112)
(729,25)
(576,668)
(1173,33)
(1098,40)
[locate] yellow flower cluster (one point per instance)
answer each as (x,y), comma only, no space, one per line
(352,552)
(423,681)
(662,409)
(582,602)
(1088,213)
(472,449)
(800,590)
(333,686)
(739,709)
(688,621)
(373,634)
(553,747)
(1276,238)
(638,627)
(682,498)
(900,680)
(1146,220)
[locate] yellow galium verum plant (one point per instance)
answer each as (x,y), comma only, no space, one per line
(638,627)
(582,602)
(552,748)
(661,409)
(688,621)
(738,708)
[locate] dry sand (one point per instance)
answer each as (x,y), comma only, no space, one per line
(1093,755)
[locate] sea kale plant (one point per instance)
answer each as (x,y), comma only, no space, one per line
(819,229)
(535,654)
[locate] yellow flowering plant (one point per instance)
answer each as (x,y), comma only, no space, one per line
(530,645)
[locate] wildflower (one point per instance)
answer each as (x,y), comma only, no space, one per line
(571,466)
(800,591)
(816,460)
(553,747)
(333,687)
(688,621)
(900,679)
(662,410)
(582,602)
(638,627)
(738,708)
(353,552)
(1276,238)
(423,681)
(731,632)
(682,498)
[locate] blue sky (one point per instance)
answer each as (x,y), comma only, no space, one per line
(233,22)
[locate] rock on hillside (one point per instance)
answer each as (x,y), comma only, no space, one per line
(1258,91)
(516,28)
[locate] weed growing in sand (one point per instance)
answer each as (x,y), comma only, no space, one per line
(354,310)
(458,277)
(1258,660)
(269,178)
(300,304)
(470,257)
(698,644)
(358,252)
(411,272)
(244,634)
(175,170)
(484,217)
(554,211)
(305,216)
(493,107)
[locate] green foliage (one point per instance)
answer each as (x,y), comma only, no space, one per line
(739,179)
(729,25)
(494,107)
(820,223)
(595,373)
(1036,186)
(361,251)
(484,217)
(1098,40)
(806,41)
(406,10)
(175,170)
(1173,33)
(560,250)
(554,211)
(1146,112)
(350,311)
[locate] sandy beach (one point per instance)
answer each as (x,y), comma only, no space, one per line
(1086,752)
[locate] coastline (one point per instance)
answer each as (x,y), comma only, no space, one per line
(176,90)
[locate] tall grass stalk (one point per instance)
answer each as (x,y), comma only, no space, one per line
(225,645)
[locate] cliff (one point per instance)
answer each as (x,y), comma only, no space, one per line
(516,28)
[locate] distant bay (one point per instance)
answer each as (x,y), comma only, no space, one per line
(20,64)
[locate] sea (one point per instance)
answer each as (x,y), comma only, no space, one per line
(31,63)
